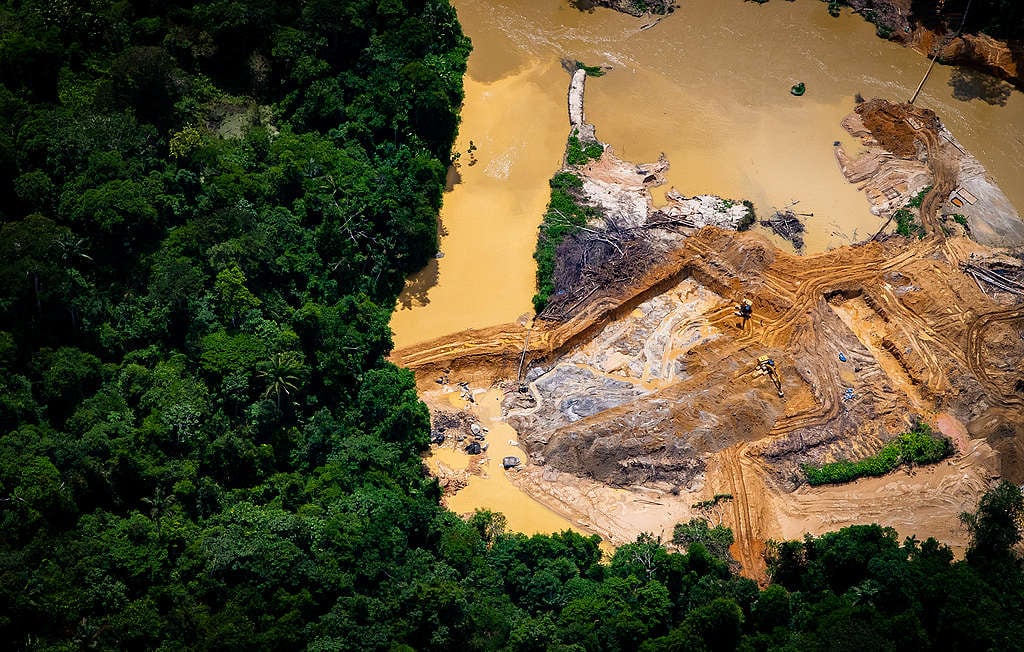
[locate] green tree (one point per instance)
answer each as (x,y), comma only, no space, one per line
(772,608)
(33,278)
(995,526)
(282,375)
(66,376)
(716,540)
(234,297)
(719,624)
(490,525)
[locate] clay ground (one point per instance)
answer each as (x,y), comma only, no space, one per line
(931,344)
(645,401)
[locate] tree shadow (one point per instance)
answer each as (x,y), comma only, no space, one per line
(972,84)
(418,286)
(452,179)
(1018,60)
(583,5)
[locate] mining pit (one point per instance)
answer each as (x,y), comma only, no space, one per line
(635,395)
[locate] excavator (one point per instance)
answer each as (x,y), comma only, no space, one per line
(766,366)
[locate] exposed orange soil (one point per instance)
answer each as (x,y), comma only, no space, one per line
(921,338)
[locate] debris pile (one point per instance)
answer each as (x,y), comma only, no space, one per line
(786,224)
(451,481)
(999,277)
(627,235)
(458,426)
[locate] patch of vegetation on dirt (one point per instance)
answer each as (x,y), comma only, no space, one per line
(579,152)
(565,215)
(905,224)
(592,71)
(919,446)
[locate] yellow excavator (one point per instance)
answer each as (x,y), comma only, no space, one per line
(766,366)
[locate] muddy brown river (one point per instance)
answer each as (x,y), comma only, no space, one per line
(709,87)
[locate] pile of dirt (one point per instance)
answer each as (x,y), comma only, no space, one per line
(444,421)
(451,480)
(888,124)
(888,180)
(453,428)
(982,52)
(912,162)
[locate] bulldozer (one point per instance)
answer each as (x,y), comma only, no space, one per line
(766,366)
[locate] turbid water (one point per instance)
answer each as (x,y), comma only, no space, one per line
(709,87)
(490,485)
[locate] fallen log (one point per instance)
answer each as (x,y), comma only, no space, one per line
(995,280)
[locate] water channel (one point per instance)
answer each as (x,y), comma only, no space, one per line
(709,87)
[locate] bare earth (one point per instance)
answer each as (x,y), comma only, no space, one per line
(642,400)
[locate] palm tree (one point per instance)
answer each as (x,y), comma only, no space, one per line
(282,374)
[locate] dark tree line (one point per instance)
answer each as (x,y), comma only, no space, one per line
(1003,19)
(207,210)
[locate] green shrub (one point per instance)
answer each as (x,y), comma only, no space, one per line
(564,216)
(579,153)
(748,219)
(654,6)
(565,180)
(592,71)
(905,224)
(960,219)
(919,446)
(919,198)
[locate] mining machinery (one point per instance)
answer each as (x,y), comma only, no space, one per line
(745,311)
(766,366)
